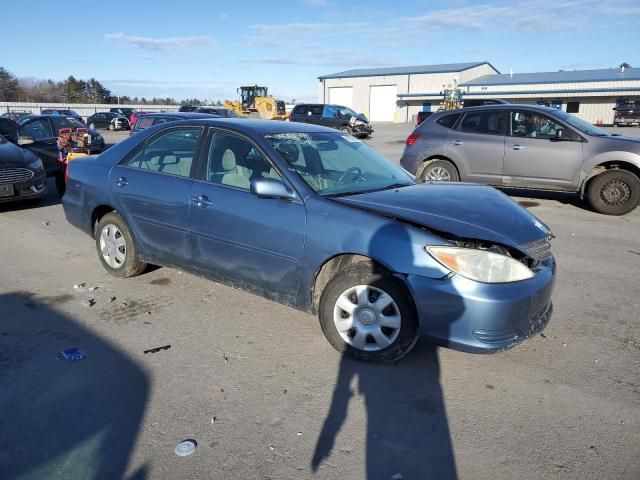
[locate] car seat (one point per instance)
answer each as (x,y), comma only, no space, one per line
(235,176)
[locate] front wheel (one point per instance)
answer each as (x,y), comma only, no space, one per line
(346,129)
(116,248)
(368,316)
(614,192)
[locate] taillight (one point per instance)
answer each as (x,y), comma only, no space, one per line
(411,139)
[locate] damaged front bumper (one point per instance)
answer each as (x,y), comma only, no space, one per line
(483,318)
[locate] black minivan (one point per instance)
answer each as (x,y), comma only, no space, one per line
(334,116)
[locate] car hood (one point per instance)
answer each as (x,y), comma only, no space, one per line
(13,156)
(463,210)
(623,138)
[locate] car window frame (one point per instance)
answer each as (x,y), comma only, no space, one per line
(203,160)
(304,109)
(454,124)
(319,106)
(143,145)
(578,137)
(34,120)
(458,124)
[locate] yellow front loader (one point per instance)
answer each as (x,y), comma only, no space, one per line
(256,103)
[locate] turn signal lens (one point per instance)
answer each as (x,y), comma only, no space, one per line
(481,265)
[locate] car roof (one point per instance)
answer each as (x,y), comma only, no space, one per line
(499,106)
(184,115)
(262,127)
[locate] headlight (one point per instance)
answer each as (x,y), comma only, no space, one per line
(481,265)
(35,164)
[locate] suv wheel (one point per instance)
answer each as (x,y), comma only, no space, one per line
(438,171)
(614,192)
(368,316)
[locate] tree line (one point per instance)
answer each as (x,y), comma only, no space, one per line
(71,90)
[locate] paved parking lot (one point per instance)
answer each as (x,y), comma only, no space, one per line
(266,397)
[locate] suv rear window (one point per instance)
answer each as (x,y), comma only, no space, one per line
(448,121)
(300,110)
(491,122)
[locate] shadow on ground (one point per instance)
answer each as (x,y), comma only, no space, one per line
(63,419)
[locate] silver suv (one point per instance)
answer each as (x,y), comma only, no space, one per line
(528,146)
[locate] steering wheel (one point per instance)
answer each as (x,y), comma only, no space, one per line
(352,170)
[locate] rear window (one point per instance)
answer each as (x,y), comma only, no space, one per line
(490,122)
(448,121)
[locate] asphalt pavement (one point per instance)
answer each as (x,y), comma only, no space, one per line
(263,394)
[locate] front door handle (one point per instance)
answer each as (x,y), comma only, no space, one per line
(202,201)
(456,142)
(515,147)
(121,182)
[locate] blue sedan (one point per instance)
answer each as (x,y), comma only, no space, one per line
(312,218)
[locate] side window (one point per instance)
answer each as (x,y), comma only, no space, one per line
(38,129)
(170,152)
(315,110)
(159,120)
(144,122)
(330,111)
(449,121)
(300,110)
(532,125)
(234,161)
(489,122)
(573,107)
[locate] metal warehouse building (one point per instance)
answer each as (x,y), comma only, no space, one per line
(398,94)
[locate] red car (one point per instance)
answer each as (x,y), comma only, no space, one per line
(134,118)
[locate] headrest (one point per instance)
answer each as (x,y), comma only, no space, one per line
(228,160)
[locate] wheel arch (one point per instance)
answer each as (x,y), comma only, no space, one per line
(97,213)
(604,167)
(339,262)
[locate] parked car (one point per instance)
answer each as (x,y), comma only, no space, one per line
(528,146)
(334,116)
(108,120)
(627,113)
(312,218)
(15,116)
(220,111)
(188,108)
(39,134)
(125,112)
(22,174)
(62,112)
(150,119)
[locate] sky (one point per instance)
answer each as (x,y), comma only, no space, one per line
(207,49)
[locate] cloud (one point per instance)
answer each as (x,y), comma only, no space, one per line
(176,44)
(339,58)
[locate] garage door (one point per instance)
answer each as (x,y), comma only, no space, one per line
(341,96)
(382,103)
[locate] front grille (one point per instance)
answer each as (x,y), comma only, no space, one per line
(15,175)
(538,249)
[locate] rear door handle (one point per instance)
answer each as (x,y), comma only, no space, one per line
(456,142)
(121,182)
(515,147)
(202,201)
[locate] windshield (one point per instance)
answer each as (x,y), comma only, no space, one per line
(581,124)
(347,112)
(336,164)
(66,122)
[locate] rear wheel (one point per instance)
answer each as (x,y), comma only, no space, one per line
(614,192)
(116,248)
(439,171)
(368,316)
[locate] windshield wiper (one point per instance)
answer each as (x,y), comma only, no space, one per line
(360,192)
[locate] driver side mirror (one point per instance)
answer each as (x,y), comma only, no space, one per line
(25,140)
(271,188)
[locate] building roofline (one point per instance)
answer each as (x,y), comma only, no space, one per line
(423,71)
(506,93)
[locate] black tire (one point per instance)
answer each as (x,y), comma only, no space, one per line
(437,166)
(346,129)
(363,274)
(614,192)
(61,185)
(131,266)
